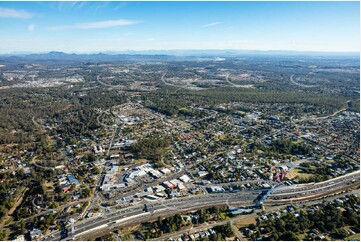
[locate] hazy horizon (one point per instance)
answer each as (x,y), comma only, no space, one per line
(187,52)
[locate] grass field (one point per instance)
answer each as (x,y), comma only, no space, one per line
(355,237)
(297,172)
(48,187)
(139,161)
(246,221)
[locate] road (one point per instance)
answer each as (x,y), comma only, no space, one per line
(96,196)
(231,83)
(60,208)
(13,208)
(103,124)
(105,84)
(322,117)
(301,85)
(186,86)
(136,215)
(316,187)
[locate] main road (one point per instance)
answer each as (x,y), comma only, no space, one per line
(136,214)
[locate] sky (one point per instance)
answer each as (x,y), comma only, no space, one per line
(91,27)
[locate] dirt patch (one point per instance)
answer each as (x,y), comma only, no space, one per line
(297,172)
(246,221)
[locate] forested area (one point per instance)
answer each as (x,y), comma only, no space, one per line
(324,171)
(22,108)
(169,102)
(178,221)
(288,147)
(328,220)
(153,148)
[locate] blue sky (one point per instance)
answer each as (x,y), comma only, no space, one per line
(116,26)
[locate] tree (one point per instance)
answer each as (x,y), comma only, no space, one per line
(289,236)
(86,192)
(91,157)
(72,187)
(3,211)
(275,236)
(22,227)
(2,235)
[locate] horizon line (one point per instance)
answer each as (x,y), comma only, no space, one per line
(26,52)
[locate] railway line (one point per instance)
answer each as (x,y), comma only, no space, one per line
(136,214)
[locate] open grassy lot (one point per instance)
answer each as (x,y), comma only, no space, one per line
(246,221)
(297,172)
(355,237)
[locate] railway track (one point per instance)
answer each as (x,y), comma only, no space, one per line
(312,196)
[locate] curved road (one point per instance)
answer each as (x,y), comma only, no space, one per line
(299,84)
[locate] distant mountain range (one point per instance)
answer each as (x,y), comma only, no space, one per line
(60,58)
(199,53)
(226,52)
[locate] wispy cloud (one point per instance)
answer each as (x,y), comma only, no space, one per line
(31,27)
(81,5)
(14,13)
(96,25)
(77,5)
(121,5)
(67,5)
(211,24)
(102,5)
